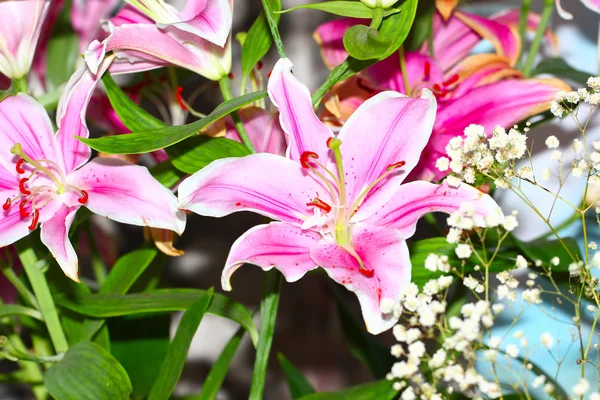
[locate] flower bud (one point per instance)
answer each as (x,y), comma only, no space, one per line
(379,3)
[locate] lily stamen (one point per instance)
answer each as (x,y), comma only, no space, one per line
(319,204)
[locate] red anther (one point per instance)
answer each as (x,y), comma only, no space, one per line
(427,72)
(367,272)
(304,158)
(19,166)
(84,198)
(34,221)
(231,76)
(437,88)
(328,141)
(269,74)
(180,98)
(319,204)
(399,164)
(22,187)
(24,213)
(452,80)
(259,65)
(6,205)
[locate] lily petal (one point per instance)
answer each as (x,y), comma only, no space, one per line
(305,132)
(593,5)
(12,226)
(127,193)
(453,40)
(276,245)
(263,183)
(398,128)
(23,120)
(212,23)
(383,251)
(263,129)
(415,199)
(446,7)
(55,236)
(329,36)
(71,112)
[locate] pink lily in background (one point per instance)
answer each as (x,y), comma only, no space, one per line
(20,26)
(593,5)
(45,178)
(200,44)
(482,88)
(86,18)
(339,201)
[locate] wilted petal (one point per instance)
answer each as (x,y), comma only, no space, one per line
(276,245)
(127,193)
(55,236)
(23,120)
(263,183)
(384,252)
(20,26)
(304,129)
(386,129)
(415,199)
(70,115)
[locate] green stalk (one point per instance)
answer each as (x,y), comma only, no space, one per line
(97,263)
(404,71)
(24,292)
(274,29)
(226,91)
(44,297)
(20,85)
(523,26)
(30,369)
(377,18)
(539,35)
(268,316)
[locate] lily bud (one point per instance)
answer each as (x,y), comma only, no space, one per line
(379,3)
(20,25)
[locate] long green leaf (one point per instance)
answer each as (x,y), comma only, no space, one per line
(88,372)
(296,381)
(147,141)
(343,8)
(559,68)
(257,42)
(173,364)
(364,347)
(216,376)
(197,152)
(11,310)
(268,316)
(379,390)
(165,300)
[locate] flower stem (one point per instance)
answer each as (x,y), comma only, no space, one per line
(523,25)
(226,91)
(272,22)
(268,315)
(44,297)
(377,18)
(20,85)
(404,71)
(539,35)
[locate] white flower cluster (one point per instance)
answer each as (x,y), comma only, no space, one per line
(425,313)
(476,154)
(566,102)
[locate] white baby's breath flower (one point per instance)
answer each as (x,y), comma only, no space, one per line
(453,181)
(463,251)
(386,305)
(581,387)
(552,142)
(547,340)
(591,308)
(556,109)
(510,223)
(442,164)
(578,146)
(546,174)
(521,262)
(538,381)
(556,155)
(512,350)
(555,261)
(431,262)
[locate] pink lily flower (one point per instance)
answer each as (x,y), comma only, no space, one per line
(86,17)
(20,26)
(140,43)
(484,88)
(339,201)
(45,178)
(593,5)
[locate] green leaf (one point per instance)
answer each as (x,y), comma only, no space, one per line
(268,316)
(63,52)
(394,30)
(165,300)
(11,310)
(364,43)
(545,250)
(166,174)
(296,381)
(87,372)
(129,112)
(269,8)
(216,376)
(122,276)
(422,27)
(559,68)
(352,9)
(140,344)
(197,152)
(257,42)
(147,141)
(365,347)
(173,364)
(379,390)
